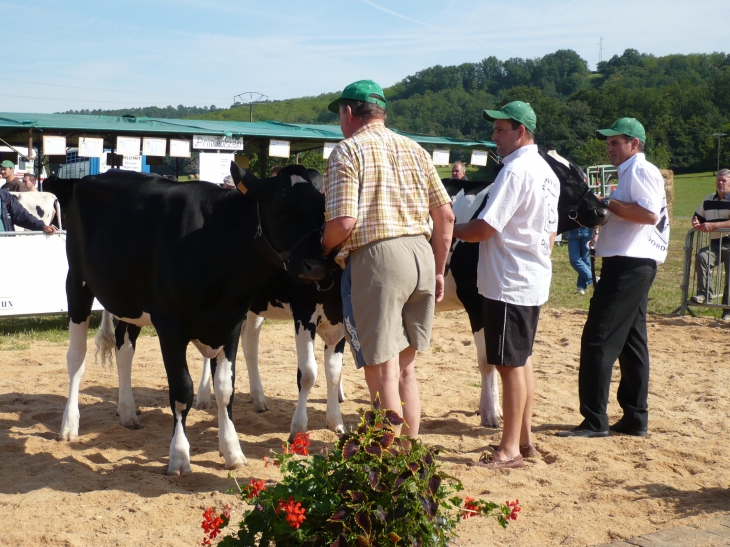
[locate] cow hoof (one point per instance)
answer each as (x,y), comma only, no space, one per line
(262,410)
(67,436)
(203,405)
(236,465)
(133,426)
(487,422)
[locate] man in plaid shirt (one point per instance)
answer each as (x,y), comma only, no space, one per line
(380,190)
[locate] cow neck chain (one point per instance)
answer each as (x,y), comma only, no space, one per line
(283,256)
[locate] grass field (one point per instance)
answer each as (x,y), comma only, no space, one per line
(665,295)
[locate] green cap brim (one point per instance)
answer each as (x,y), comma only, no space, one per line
(491,115)
(334,106)
(605,133)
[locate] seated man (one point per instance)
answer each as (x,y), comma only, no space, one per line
(14,213)
(712,214)
(457,171)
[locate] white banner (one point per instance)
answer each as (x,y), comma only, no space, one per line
(479,157)
(54,146)
(90,147)
(279,149)
(440,157)
(328,147)
(214,167)
(154,147)
(179,149)
(215,142)
(128,146)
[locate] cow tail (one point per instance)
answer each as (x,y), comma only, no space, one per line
(104,340)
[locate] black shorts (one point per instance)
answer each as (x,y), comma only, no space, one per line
(509,332)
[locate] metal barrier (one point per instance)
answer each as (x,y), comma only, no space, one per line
(716,292)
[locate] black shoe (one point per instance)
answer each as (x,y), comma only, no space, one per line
(582,431)
(621,427)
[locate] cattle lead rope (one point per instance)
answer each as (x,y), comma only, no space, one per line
(284,255)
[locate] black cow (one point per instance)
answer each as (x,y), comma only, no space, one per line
(314,312)
(188,259)
(577,206)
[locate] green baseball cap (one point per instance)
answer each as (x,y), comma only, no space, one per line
(631,127)
(8,163)
(363,90)
(517,111)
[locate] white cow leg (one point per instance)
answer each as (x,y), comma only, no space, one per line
(202,400)
(228,442)
(333,354)
(490,410)
(250,341)
(179,447)
(126,407)
(75,362)
(307,376)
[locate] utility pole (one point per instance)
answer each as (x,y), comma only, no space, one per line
(249,98)
(719,137)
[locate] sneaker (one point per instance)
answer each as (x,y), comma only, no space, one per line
(581,291)
(726,316)
(699,299)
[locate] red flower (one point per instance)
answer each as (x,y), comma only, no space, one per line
(470,508)
(300,445)
(515,508)
(294,512)
(212,523)
(253,489)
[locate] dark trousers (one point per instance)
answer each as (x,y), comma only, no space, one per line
(616,329)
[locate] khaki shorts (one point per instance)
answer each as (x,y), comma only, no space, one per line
(392,286)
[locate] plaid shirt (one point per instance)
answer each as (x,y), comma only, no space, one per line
(385,181)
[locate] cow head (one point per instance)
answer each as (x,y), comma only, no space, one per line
(578,206)
(290,219)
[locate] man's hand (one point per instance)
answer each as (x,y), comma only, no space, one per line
(50,230)
(439,287)
(696,223)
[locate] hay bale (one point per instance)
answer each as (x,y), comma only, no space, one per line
(668,176)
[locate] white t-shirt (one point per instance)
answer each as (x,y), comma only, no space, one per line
(514,264)
(638,182)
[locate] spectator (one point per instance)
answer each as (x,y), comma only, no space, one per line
(29,181)
(579,254)
(14,213)
(457,171)
(516,230)
(632,243)
(275,170)
(377,214)
(12,183)
(712,214)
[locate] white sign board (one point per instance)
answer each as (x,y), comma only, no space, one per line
(328,147)
(479,157)
(179,149)
(90,147)
(278,149)
(33,276)
(214,167)
(154,147)
(54,146)
(128,146)
(215,142)
(440,157)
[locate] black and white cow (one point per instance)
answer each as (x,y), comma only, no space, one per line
(314,312)
(42,205)
(577,206)
(188,259)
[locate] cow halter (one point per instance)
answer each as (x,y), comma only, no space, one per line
(573,211)
(283,256)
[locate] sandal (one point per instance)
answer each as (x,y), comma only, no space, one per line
(527,450)
(488,461)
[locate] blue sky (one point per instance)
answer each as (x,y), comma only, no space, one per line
(81,54)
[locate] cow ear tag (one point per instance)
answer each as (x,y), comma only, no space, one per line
(241,187)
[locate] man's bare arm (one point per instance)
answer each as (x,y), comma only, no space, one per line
(443,227)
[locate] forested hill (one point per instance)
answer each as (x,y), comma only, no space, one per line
(681,100)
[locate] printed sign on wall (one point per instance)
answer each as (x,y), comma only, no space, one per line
(279,149)
(179,148)
(90,147)
(54,146)
(217,142)
(154,147)
(440,157)
(128,146)
(479,157)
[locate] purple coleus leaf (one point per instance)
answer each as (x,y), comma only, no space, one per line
(350,449)
(374,449)
(429,505)
(357,497)
(363,521)
(380,514)
(386,439)
(339,542)
(433,484)
(414,467)
(403,477)
(369,418)
(428,458)
(374,479)
(339,515)
(392,417)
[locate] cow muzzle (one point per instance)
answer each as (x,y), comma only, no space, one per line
(312,270)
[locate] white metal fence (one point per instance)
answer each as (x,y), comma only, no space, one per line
(709,290)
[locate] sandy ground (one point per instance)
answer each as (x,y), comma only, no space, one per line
(109,488)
